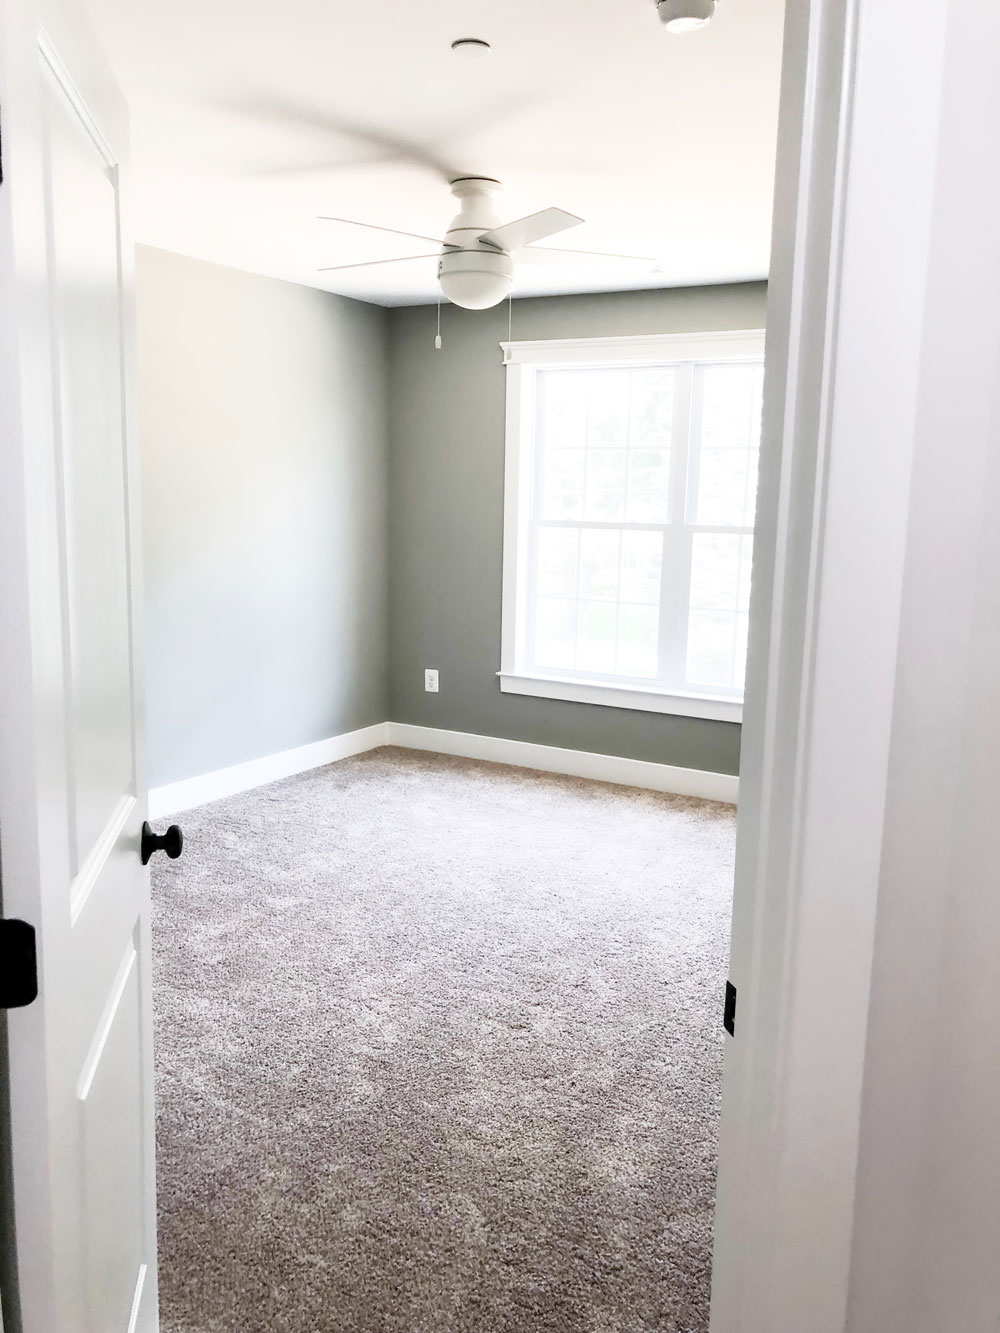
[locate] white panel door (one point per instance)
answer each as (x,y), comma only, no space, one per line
(72,799)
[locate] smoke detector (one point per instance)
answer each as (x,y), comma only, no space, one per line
(684,15)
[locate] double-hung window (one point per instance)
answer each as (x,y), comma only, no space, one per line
(631,475)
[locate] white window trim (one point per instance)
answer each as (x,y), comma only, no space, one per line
(639,697)
(522,360)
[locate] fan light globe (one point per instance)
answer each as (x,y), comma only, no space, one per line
(685,15)
(476,279)
(475,291)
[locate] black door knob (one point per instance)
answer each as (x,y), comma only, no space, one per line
(171,842)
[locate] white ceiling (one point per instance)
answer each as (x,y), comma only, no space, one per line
(663,143)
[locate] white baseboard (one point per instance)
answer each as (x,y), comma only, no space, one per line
(257,772)
(207,787)
(576,763)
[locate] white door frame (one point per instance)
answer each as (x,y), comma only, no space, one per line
(855,190)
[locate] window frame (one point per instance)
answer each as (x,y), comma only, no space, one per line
(523,361)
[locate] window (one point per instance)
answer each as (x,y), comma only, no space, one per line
(628,529)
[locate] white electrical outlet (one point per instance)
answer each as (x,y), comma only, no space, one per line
(431,680)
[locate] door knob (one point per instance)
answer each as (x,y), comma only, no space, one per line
(171,842)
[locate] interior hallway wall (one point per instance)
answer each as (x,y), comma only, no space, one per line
(264,446)
(446,519)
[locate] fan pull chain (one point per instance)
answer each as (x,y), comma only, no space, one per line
(510,316)
(437,338)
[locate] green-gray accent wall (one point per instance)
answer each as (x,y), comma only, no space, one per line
(446,460)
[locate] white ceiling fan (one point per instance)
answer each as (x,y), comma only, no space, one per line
(478,255)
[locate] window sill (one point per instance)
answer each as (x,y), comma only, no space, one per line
(622,696)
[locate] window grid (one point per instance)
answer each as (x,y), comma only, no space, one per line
(676,605)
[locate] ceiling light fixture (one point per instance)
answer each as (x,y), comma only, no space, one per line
(684,15)
(471,48)
(479,253)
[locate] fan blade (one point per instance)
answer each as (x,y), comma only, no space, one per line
(535,227)
(385,146)
(328,165)
(373,226)
(540,254)
(370,263)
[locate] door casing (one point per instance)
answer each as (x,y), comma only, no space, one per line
(853,243)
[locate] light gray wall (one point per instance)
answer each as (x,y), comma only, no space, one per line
(263,424)
(446,519)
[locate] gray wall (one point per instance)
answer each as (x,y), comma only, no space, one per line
(446,519)
(263,425)
(277,424)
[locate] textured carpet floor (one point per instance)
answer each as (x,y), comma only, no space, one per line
(439,1051)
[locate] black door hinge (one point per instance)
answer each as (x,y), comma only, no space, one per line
(729,1010)
(18,965)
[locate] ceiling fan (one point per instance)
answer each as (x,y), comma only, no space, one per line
(478,254)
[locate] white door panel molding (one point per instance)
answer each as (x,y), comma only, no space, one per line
(72,796)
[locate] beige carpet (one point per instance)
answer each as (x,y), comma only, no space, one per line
(439,1051)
